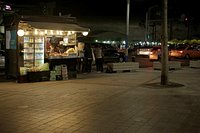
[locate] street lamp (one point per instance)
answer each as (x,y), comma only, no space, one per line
(148,18)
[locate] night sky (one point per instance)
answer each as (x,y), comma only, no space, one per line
(118,7)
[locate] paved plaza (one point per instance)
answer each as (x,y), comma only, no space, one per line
(128,102)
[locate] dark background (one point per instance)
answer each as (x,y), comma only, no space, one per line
(138,8)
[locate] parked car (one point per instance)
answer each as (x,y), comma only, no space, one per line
(2,59)
(186,51)
(155,53)
(144,51)
(112,55)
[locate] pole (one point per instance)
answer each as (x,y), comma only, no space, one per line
(164,48)
(148,20)
(188,31)
(127,29)
(146,28)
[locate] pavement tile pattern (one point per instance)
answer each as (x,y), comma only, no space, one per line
(103,103)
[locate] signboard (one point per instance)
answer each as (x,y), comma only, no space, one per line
(11,39)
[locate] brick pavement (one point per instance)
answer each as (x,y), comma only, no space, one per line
(103,103)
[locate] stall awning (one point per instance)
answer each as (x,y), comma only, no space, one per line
(57,26)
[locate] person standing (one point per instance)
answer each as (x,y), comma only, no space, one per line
(87,58)
(98,58)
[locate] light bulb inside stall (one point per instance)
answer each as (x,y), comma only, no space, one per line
(85,33)
(20,32)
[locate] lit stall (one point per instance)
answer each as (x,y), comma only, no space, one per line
(48,48)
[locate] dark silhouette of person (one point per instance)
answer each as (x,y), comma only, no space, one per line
(87,62)
(98,58)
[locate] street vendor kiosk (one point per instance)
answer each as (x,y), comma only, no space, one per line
(46,48)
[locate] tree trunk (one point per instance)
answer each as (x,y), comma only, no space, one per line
(164,47)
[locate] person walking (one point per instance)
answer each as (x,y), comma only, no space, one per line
(98,58)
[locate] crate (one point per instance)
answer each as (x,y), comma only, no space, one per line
(72,74)
(38,76)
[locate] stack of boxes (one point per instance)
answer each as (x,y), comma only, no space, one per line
(52,75)
(64,72)
(59,73)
